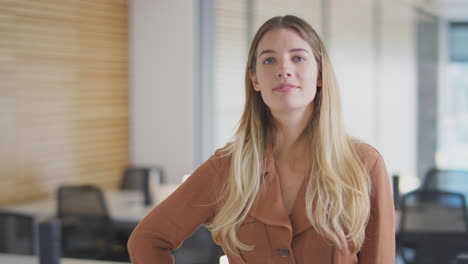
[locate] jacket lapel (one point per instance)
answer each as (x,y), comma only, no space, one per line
(299,220)
(268,206)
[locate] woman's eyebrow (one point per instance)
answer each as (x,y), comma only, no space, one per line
(291,50)
(298,49)
(266,51)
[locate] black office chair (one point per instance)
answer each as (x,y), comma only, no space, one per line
(143,179)
(199,248)
(433,227)
(87,229)
(18,233)
(446,180)
(462,258)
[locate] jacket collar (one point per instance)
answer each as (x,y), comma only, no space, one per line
(268,207)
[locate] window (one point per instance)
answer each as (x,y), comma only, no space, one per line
(453,136)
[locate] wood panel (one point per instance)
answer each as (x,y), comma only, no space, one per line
(63,95)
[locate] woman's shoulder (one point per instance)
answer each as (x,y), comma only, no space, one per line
(215,169)
(221,158)
(368,154)
(374,164)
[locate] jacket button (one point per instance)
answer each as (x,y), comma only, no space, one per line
(284,252)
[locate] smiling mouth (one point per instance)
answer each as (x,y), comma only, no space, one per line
(285,88)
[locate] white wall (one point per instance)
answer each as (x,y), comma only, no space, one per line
(352,53)
(309,10)
(375,62)
(397,123)
(162,80)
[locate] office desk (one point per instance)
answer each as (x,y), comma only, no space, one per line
(25,259)
(126,208)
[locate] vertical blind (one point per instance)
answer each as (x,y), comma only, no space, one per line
(63,95)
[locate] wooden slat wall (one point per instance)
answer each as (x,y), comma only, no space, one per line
(63,95)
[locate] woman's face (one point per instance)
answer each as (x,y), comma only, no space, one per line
(286,71)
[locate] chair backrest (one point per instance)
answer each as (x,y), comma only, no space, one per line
(437,248)
(434,226)
(134,178)
(143,179)
(18,233)
(87,229)
(433,211)
(446,180)
(81,201)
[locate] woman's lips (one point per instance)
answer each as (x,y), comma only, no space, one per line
(285,88)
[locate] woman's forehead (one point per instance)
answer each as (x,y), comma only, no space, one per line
(282,38)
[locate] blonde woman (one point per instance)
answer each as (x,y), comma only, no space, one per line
(292,186)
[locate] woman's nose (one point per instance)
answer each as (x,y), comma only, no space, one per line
(284,70)
(284,73)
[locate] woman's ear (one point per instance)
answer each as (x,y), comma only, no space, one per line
(253,78)
(319,81)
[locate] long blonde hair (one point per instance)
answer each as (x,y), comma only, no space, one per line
(338,187)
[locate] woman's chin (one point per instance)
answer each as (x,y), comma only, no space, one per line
(289,107)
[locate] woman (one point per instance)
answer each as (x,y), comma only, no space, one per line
(292,187)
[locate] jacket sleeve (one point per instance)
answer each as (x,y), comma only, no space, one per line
(178,216)
(379,246)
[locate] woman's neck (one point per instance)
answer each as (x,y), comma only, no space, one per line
(290,129)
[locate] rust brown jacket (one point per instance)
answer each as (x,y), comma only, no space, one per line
(278,237)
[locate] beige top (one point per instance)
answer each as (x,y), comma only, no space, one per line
(278,238)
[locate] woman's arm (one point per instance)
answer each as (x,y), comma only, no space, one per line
(379,246)
(169,223)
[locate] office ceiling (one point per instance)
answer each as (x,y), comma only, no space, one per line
(455,10)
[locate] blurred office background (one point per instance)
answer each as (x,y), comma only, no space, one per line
(91,86)
(400,66)
(88,88)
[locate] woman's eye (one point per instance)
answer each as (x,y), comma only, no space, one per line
(299,58)
(268,61)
